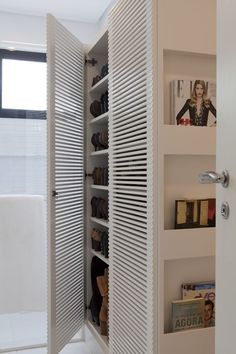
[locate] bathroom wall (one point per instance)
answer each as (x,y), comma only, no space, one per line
(22,254)
(22,156)
(23,221)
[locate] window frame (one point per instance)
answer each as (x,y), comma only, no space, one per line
(20,55)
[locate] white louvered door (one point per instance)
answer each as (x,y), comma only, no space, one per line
(131,130)
(66,182)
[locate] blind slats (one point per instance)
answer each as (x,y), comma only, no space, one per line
(66,176)
(130,178)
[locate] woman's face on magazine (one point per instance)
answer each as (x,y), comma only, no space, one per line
(199,90)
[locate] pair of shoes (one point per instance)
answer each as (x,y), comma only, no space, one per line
(99,208)
(97,269)
(102,282)
(104,102)
(104,244)
(100,176)
(96,108)
(100,241)
(100,139)
(104,70)
(96,236)
(96,79)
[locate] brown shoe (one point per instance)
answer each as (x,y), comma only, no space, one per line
(102,282)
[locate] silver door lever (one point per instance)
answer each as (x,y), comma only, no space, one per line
(213,177)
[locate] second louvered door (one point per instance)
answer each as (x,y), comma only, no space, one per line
(131,206)
(66,185)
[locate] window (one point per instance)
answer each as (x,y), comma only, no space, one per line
(23,84)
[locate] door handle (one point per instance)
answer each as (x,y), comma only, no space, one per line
(214,177)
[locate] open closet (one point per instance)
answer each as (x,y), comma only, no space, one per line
(117,163)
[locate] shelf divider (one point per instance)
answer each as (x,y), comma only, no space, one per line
(190,341)
(99,255)
(188,243)
(100,221)
(100,187)
(178,140)
(103,118)
(100,86)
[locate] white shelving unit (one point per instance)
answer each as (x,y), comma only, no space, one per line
(184,255)
(96,159)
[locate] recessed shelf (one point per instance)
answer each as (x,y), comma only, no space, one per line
(101,86)
(188,243)
(95,329)
(190,341)
(99,255)
(103,118)
(95,186)
(100,152)
(179,140)
(100,221)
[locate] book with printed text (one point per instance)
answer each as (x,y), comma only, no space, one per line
(187,314)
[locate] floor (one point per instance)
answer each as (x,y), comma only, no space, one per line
(22,329)
(77,348)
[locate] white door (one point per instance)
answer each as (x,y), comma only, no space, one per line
(66,185)
(132,136)
(226,159)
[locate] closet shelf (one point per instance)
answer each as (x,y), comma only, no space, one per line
(95,330)
(178,140)
(103,118)
(96,186)
(100,221)
(101,86)
(188,243)
(99,255)
(100,152)
(190,341)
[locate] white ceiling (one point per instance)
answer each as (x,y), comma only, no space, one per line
(75,10)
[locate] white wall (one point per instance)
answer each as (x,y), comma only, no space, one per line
(29,32)
(188,25)
(22,254)
(22,230)
(22,156)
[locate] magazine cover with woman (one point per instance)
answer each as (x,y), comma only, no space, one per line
(193,102)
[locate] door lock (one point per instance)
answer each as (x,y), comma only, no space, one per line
(224,210)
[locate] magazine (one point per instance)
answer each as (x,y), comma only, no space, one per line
(206,291)
(193,102)
(187,314)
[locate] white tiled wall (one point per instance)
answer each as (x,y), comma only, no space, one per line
(22,156)
(23,172)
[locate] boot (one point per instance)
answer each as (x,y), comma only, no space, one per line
(102,282)
(96,236)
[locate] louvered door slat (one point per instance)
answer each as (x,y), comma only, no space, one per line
(131,178)
(66,176)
